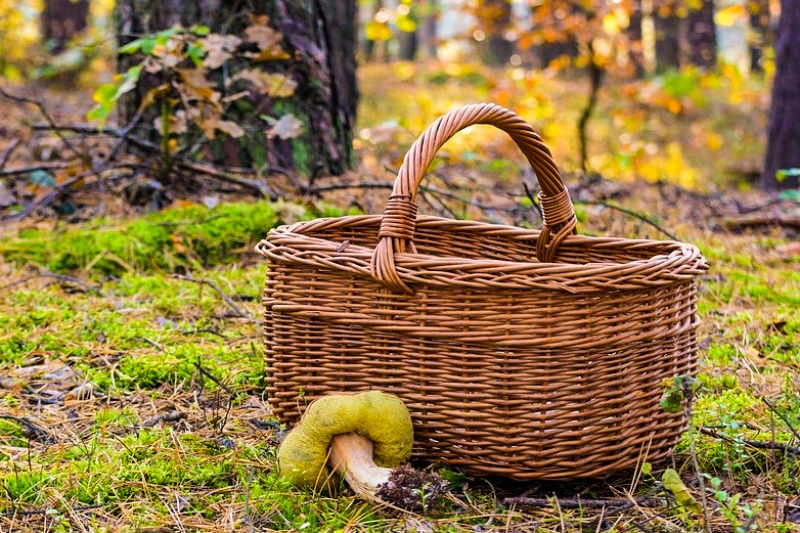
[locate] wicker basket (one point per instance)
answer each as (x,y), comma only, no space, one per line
(547,368)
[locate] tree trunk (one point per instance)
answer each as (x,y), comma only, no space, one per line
(701,35)
(61,20)
(495,19)
(429,41)
(667,26)
(635,44)
(784,126)
(759,35)
(320,38)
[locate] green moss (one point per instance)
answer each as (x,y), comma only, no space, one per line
(168,241)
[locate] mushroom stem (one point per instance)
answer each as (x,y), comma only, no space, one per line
(351,456)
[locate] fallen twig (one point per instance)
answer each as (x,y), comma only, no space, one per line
(629,212)
(761,220)
(786,421)
(7,155)
(51,196)
(32,168)
(522,502)
(314,191)
(227,299)
(169,416)
(60,277)
(47,510)
(228,177)
(32,431)
(761,444)
(212,377)
(48,118)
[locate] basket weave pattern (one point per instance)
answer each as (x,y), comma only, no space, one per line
(523,353)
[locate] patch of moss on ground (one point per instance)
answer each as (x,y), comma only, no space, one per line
(172,240)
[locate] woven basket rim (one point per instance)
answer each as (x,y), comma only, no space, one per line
(671,262)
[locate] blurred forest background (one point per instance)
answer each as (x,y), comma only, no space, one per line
(267,97)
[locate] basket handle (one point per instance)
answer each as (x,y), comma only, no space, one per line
(397,225)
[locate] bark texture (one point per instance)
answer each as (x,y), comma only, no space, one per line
(783,144)
(320,36)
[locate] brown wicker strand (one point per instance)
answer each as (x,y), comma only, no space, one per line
(557,212)
(559,223)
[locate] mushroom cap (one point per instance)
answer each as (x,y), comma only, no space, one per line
(380,417)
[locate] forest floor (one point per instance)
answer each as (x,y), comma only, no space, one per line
(132,364)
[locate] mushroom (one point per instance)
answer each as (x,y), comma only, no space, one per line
(364,437)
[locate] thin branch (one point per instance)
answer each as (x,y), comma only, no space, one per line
(32,168)
(583,503)
(782,417)
(760,444)
(212,377)
(48,198)
(32,512)
(60,277)
(47,117)
(10,150)
(227,299)
(32,431)
(534,201)
(389,185)
(634,214)
(122,136)
(228,177)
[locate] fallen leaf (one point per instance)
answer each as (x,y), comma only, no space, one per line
(286,127)
(271,84)
(673,483)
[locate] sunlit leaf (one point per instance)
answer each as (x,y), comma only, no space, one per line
(406,24)
(286,127)
(132,47)
(378,31)
(168,33)
(673,483)
(195,53)
(99,113)
(105,93)
(200,30)
(148,45)
(730,15)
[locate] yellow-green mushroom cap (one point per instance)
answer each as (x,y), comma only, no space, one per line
(380,417)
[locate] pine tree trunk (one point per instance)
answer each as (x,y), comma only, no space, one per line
(319,35)
(784,126)
(667,26)
(635,44)
(701,35)
(495,19)
(760,35)
(61,20)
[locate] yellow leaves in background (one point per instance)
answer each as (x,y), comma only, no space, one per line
(19,30)
(730,15)
(713,141)
(378,31)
